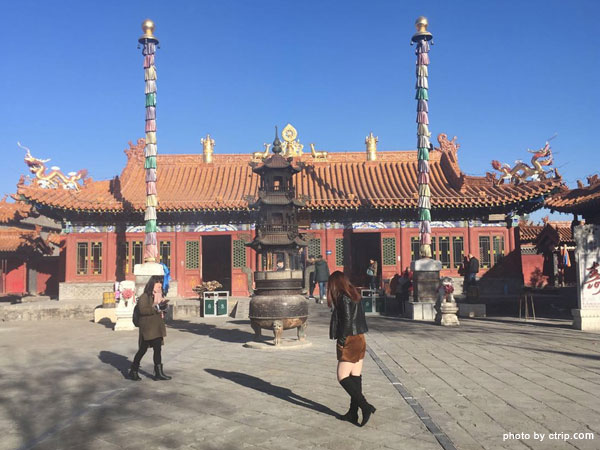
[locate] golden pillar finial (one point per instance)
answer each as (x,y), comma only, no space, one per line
(208,148)
(148,29)
(421,25)
(371,142)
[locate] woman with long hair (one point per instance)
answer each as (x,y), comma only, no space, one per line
(347,326)
(152,307)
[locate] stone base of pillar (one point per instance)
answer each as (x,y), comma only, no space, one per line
(424,311)
(586,319)
(143,272)
(446,314)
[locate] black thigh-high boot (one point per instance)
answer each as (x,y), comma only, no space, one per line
(352,414)
(353,385)
(366,408)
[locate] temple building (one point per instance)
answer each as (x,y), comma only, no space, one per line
(547,253)
(359,205)
(29,250)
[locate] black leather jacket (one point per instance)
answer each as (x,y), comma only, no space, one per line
(348,319)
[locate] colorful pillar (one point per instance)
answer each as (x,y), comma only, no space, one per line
(149,43)
(421,38)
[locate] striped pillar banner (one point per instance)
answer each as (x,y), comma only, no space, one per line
(149,44)
(423,141)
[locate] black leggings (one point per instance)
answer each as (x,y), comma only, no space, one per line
(156,345)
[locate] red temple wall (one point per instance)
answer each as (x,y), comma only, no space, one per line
(188,278)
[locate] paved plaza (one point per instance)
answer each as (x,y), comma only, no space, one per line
(483,385)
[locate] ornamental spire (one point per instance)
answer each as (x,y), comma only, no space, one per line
(149,43)
(422,38)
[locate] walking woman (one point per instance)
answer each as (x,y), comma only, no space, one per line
(348,326)
(152,306)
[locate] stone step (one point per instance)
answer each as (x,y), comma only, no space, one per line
(242,309)
(51,310)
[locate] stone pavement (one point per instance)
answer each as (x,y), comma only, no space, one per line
(61,387)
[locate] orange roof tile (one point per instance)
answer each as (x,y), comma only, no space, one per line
(529,233)
(13,238)
(584,199)
(13,211)
(345,181)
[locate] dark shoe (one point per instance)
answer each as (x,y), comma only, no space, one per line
(159,374)
(133,373)
(352,414)
(367,409)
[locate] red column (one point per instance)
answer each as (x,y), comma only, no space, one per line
(70,249)
(473,246)
(111,257)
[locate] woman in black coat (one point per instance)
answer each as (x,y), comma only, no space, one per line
(347,326)
(151,306)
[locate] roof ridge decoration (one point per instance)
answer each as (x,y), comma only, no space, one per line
(522,172)
(291,144)
(371,142)
(208,148)
(318,155)
(53,178)
(449,161)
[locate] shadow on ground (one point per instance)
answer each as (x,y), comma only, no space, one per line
(122,363)
(213,331)
(271,389)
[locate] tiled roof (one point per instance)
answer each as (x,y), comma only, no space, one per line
(529,233)
(13,211)
(345,181)
(13,238)
(558,233)
(17,238)
(577,201)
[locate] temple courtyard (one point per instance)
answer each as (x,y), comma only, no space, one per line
(491,383)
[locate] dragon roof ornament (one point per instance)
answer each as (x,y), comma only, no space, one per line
(522,172)
(52,178)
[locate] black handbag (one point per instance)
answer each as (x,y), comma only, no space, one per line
(136,315)
(333,324)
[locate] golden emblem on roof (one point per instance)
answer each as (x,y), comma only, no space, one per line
(291,145)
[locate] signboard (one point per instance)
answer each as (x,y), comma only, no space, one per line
(587,255)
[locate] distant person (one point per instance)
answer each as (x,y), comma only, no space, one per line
(309,277)
(372,274)
(473,269)
(403,285)
(464,271)
(347,326)
(280,266)
(152,307)
(321,277)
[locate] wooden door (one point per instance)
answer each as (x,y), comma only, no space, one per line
(192,264)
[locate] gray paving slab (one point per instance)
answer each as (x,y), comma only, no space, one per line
(62,387)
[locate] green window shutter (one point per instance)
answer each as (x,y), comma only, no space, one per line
(314,247)
(239,254)
(192,254)
(389,251)
(339,252)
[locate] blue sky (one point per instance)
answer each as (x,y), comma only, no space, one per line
(504,76)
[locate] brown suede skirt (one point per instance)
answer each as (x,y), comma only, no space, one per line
(353,350)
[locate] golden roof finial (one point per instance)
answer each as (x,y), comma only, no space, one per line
(208,148)
(371,142)
(421,25)
(148,29)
